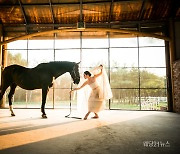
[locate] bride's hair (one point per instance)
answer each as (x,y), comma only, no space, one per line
(87,73)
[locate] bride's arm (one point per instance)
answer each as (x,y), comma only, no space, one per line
(96,75)
(84,84)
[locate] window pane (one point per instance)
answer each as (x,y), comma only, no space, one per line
(155,99)
(62,99)
(34,98)
(20,44)
(124,57)
(63,81)
(69,43)
(160,72)
(123,42)
(17,57)
(49,99)
(152,57)
(125,69)
(40,44)
(30,98)
(95,43)
(125,99)
(149,41)
(153,78)
(72,55)
(124,78)
(94,57)
(19,98)
(40,56)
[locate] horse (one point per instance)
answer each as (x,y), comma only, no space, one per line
(39,77)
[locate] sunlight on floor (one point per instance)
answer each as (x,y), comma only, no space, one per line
(28,127)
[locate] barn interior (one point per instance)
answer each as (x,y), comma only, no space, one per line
(134,121)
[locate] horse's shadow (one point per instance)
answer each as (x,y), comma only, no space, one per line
(27,127)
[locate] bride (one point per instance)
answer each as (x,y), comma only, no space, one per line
(98,93)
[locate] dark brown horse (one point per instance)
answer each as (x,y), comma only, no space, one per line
(39,77)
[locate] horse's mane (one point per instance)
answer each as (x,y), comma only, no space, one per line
(64,63)
(61,62)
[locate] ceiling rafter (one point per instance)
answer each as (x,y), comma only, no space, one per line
(133,32)
(70,3)
(81,11)
(24,15)
(110,12)
(119,14)
(52,13)
(142,9)
(121,23)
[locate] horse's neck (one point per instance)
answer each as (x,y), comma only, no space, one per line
(59,73)
(60,69)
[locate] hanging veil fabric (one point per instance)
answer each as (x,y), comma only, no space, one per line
(85,96)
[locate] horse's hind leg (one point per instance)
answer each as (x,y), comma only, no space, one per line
(10,95)
(2,93)
(3,89)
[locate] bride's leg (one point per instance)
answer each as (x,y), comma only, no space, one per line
(96,115)
(86,115)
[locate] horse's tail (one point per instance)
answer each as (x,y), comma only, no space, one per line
(0,91)
(1,82)
(6,78)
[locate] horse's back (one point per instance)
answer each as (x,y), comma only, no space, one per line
(15,66)
(11,69)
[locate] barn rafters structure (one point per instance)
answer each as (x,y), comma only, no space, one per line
(21,17)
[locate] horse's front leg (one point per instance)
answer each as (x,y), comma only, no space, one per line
(44,95)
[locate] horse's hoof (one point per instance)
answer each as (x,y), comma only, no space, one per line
(12,114)
(44,116)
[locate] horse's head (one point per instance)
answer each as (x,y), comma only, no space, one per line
(75,73)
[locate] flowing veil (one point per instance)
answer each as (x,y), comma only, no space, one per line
(84,93)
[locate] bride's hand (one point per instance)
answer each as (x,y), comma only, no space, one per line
(72,90)
(101,66)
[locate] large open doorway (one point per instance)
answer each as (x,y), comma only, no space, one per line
(136,67)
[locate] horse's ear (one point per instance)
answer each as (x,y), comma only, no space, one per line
(78,63)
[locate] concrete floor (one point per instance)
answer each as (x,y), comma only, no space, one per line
(115,132)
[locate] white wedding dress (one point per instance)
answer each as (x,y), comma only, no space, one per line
(92,97)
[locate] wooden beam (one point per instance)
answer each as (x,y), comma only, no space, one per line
(24,15)
(110,12)
(81,11)
(135,33)
(52,13)
(68,3)
(142,10)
